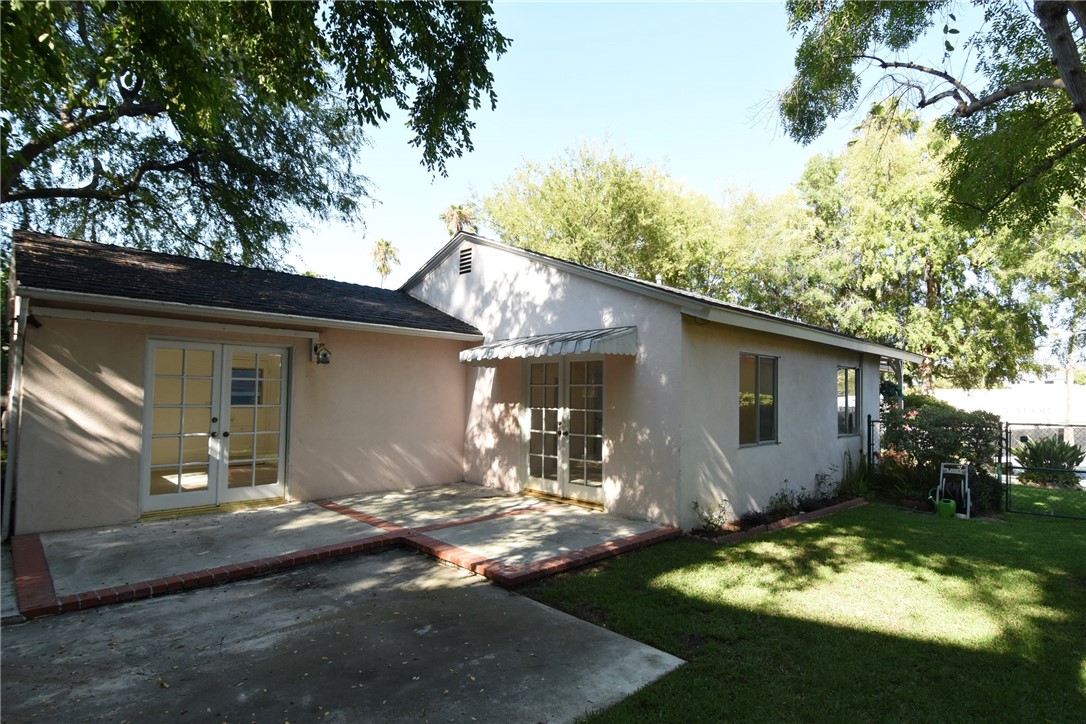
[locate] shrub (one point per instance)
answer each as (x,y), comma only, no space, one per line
(754,518)
(713,517)
(783,504)
(917,439)
(1049,460)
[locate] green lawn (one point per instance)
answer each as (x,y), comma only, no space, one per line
(874,614)
(1048,501)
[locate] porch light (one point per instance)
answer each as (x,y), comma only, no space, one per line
(321,354)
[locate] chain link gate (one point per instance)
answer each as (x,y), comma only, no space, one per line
(1044,469)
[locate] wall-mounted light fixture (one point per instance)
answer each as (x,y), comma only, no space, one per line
(321,354)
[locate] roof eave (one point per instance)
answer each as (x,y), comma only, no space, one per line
(148,305)
(759,323)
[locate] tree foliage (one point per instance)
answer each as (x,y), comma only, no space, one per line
(598,208)
(211,128)
(1013,93)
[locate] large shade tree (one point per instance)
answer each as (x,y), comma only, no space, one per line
(596,207)
(1011,89)
(213,129)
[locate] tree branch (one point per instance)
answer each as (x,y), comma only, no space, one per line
(18,162)
(91,190)
(887,64)
(1038,170)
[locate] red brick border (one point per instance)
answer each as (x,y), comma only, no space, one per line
(37,596)
(733,538)
(33,584)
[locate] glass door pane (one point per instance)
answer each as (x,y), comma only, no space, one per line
(180,447)
(256,419)
(586,423)
(544,416)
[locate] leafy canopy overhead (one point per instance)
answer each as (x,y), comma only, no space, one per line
(1012,92)
(212,128)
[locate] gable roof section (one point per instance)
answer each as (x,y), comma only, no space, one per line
(54,268)
(691,304)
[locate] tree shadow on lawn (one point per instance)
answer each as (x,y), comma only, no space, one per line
(873,614)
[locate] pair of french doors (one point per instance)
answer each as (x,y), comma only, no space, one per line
(565,428)
(214,424)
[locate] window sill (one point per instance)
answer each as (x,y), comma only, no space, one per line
(767,443)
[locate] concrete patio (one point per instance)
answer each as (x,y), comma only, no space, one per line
(509,539)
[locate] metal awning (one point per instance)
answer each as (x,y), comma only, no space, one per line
(619,340)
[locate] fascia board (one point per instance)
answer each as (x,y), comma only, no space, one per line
(52,295)
(762,324)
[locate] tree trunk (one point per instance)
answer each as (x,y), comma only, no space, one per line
(1052,15)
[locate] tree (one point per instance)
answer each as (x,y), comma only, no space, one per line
(385,257)
(210,128)
(1020,126)
(597,208)
(460,217)
(899,273)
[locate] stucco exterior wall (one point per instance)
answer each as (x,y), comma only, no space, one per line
(389,412)
(506,295)
(715,466)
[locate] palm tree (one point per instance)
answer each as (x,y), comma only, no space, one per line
(385,256)
(460,217)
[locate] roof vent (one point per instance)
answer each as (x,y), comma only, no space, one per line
(465,260)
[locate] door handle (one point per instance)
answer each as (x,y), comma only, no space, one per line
(226,434)
(214,434)
(565,433)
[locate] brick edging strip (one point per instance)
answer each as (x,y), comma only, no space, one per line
(733,538)
(192,580)
(37,596)
(33,583)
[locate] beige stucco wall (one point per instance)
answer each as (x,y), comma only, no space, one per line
(506,296)
(714,466)
(389,412)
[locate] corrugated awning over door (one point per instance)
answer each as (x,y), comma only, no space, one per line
(619,340)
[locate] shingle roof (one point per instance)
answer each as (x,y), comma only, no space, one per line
(47,262)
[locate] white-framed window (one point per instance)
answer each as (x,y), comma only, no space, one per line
(757,399)
(848,397)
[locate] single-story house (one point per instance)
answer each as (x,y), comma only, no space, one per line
(144,382)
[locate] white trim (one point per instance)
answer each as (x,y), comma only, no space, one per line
(15,395)
(689,303)
(242,314)
(79,314)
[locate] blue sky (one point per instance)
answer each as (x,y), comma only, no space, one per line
(688,87)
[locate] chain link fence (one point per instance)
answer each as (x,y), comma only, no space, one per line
(1044,469)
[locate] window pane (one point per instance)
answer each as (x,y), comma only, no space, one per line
(537,374)
(594,398)
(241,447)
(748,373)
(265,473)
(594,423)
(267,419)
(536,397)
(197,419)
(197,392)
(167,391)
(241,420)
(194,449)
(767,385)
(576,398)
(577,373)
(537,419)
(168,362)
(267,446)
(594,373)
(243,361)
(535,466)
(552,373)
(194,479)
(269,393)
(594,473)
(271,366)
(198,363)
(164,481)
(165,450)
(577,422)
(166,421)
(239,476)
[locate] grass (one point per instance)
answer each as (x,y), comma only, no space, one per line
(874,614)
(1048,501)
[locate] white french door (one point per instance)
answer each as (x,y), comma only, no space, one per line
(564,444)
(214,424)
